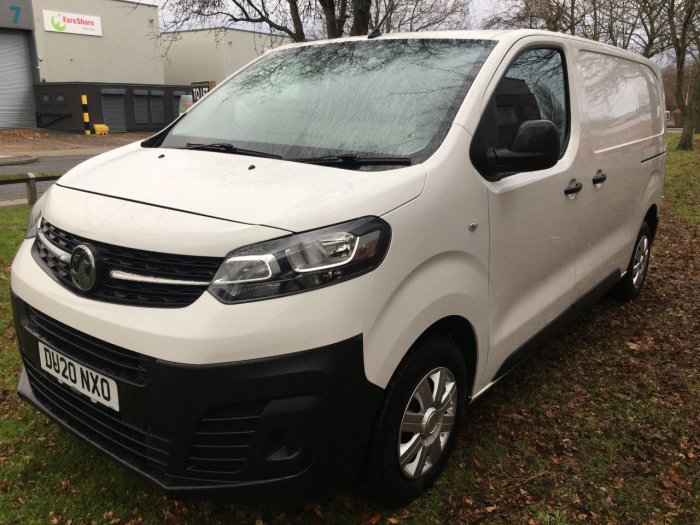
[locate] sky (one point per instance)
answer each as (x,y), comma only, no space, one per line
(480,10)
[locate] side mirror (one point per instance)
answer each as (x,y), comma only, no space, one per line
(536,147)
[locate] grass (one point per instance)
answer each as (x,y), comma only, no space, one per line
(682,188)
(601,426)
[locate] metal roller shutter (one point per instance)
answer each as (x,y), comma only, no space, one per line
(141,106)
(113,112)
(17,108)
(157,111)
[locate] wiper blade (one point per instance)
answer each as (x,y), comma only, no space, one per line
(225,147)
(354,160)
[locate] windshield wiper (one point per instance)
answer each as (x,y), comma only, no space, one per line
(352,160)
(225,147)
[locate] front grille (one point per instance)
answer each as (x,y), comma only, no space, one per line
(100,424)
(145,264)
(112,360)
(221,444)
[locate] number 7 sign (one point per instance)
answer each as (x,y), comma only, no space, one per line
(17,13)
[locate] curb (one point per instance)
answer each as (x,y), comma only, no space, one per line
(16,161)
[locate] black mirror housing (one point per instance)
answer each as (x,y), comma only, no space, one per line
(536,147)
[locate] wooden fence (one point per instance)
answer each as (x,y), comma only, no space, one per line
(30,179)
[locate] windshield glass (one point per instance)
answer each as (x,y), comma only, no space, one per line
(374,98)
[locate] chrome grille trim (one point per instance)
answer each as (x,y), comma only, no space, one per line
(126,276)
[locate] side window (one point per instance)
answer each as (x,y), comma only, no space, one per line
(533,88)
(535,85)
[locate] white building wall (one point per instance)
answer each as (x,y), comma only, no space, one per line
(214,55)
(192,56)
(126,52)
(242,47)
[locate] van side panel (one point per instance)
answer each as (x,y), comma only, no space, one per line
(622,130)
(436,267)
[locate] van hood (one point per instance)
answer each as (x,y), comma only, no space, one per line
(252,190)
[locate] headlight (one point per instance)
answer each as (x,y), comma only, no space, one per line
(302,262)
(35,217)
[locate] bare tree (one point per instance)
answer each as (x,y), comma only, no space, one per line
(695,53)
(651,37)
(292,18)
(683,17)
(302,20)
(636,25)
(420,15)
(553,15)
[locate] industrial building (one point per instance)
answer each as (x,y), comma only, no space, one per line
(53,52)
(214,54)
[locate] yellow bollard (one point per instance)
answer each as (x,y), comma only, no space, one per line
(86,113)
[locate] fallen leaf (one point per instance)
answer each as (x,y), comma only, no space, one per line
(666,482)
(675,477)
(370,517)
(608,502)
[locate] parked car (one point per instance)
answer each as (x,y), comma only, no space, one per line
(308,276)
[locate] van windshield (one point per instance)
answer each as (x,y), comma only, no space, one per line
(374,99)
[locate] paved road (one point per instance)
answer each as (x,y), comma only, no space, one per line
(14,192)
(43,164)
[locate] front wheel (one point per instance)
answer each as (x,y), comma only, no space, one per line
(631,284)
(417,426)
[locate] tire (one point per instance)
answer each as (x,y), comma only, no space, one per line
(414,433)
(630,286)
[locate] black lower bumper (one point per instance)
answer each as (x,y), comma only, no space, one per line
(287,428)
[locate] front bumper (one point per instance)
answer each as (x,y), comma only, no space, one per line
(292,428)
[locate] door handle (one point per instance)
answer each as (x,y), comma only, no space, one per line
(599,179)
(573,188)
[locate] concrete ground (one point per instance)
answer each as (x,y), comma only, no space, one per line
(41,151)
(43,143)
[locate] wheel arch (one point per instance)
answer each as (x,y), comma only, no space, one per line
(652,219)
(461,331)
(650,203)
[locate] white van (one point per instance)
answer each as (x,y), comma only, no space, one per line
(307,277)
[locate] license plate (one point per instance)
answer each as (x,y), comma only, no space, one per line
(99,388)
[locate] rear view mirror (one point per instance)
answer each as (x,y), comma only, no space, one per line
(536,147)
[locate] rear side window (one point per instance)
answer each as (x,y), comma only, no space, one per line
(533,88)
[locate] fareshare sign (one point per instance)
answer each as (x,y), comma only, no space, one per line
(62,22)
